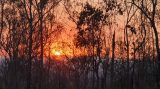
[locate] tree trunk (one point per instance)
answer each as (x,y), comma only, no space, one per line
(30,47)
(41,47)
(112,61)
(158,53)
(2,13)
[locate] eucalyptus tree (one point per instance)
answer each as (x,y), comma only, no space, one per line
(44,8)
(149,10)
(113,9)
(90,34)
(11,42)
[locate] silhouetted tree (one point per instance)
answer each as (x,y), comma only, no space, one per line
(150,14)
(90,33)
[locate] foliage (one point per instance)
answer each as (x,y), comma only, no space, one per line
(90,25)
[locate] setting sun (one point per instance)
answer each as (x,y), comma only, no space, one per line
(57,53)
(79,44)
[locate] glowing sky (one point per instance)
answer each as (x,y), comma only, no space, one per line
(69,31)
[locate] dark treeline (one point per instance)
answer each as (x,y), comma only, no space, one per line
(118,39)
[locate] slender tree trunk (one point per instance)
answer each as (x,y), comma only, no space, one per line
(158,53)
(49,65)
(2,13)
(30,46)
(93,66)
(29,59)
(134,59)
(128,77)
(41,47)
(112,61)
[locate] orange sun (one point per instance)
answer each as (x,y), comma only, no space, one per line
(57,53)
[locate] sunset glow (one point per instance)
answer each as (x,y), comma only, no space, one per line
(79,44)
(57,53)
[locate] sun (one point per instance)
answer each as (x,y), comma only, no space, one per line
(57,53)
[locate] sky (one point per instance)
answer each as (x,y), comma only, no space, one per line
(69,31)
(70,27)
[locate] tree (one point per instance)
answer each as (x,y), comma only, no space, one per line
(2,2)
(150,14)
(90,34)
(43,12)
(112,61)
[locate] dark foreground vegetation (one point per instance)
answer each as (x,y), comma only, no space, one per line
(79,74)
(118,42)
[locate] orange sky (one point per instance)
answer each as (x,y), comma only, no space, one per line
(68,34)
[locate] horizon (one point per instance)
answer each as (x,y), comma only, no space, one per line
(79,44)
